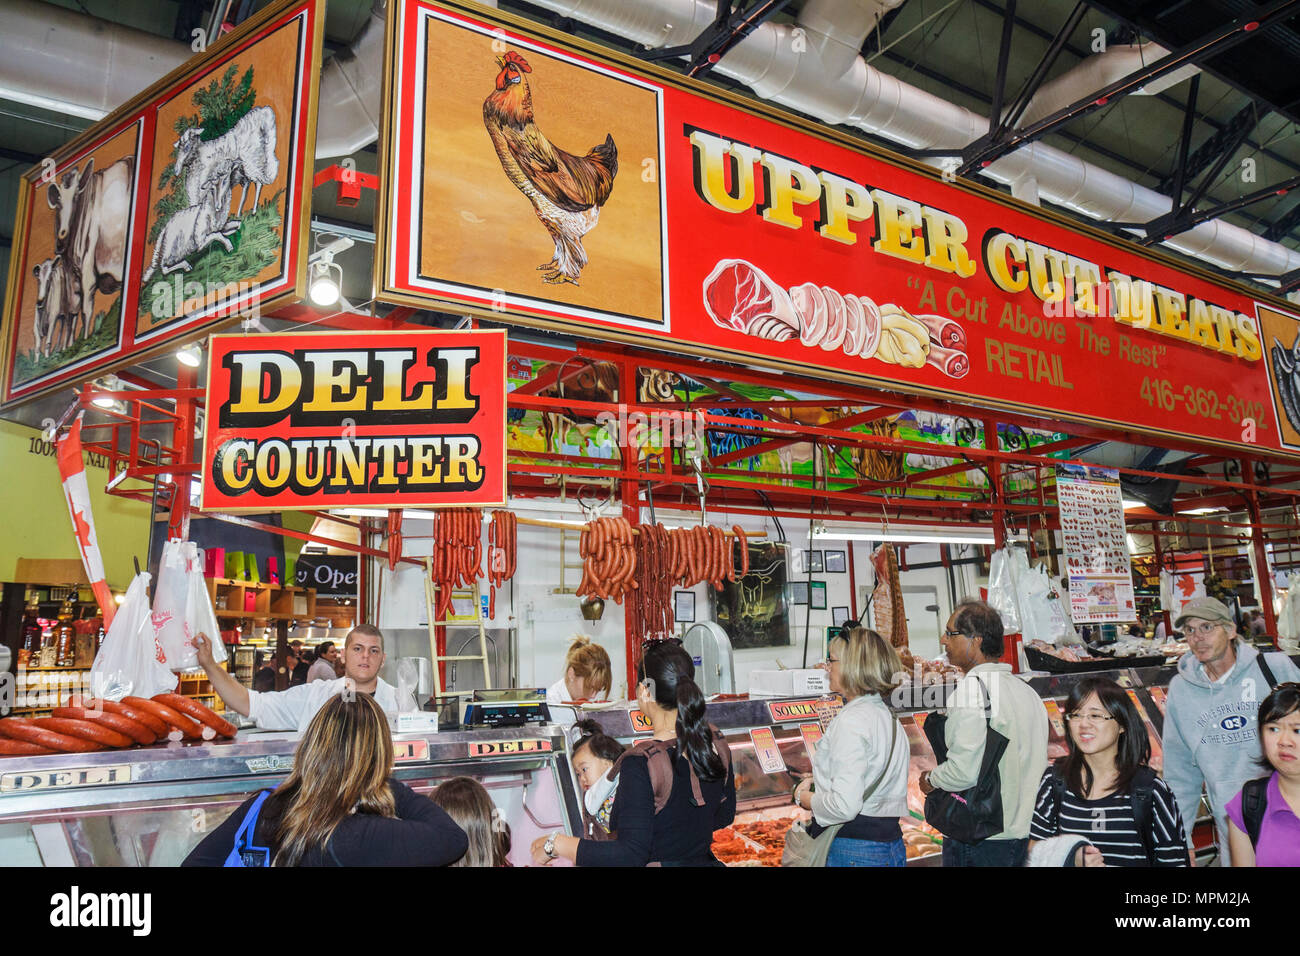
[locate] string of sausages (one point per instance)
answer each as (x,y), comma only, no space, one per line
(704,553)
(649,607)
(84,725)
(503,542)
(609,559)
(458,553)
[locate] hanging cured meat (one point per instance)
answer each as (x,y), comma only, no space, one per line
(887,601)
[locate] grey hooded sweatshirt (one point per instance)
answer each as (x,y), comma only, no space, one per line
(1210,734)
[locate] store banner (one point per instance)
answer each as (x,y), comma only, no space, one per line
(355,419)
(1096,545)
(185,209)
(533,176)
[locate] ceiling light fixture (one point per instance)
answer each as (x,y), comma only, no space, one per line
(191,355)
(928,535)
(325,278)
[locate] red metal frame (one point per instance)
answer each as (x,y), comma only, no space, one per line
(917,498)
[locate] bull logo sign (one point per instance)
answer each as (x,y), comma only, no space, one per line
(182,211)
(374,420)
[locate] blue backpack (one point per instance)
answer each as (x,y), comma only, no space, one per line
(244,853)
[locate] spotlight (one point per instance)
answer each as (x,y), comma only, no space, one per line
(324,281)
(191,355)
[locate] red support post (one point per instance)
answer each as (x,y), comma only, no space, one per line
(1265,582)
(1160,566)
(178,524)
(630,495)
(995,483)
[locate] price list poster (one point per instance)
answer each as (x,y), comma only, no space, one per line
(1096,546)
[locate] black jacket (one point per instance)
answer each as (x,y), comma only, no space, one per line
(420,835)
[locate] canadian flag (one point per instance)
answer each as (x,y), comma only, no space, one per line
(77,494)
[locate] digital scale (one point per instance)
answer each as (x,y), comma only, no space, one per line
(514,707)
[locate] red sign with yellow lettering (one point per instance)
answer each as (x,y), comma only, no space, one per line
(688,218)
(356,419)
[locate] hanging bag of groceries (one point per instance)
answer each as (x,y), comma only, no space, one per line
(129,662)
(182,608)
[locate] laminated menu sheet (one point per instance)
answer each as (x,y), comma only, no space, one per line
(1096,545)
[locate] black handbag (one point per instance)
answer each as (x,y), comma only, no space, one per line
(973,815)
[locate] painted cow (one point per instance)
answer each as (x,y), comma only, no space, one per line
(92,213)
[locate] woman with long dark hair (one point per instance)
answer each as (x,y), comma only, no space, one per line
(339,806)
(1264,816)
(674,789)
(1103,789)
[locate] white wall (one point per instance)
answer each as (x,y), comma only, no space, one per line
(547,622)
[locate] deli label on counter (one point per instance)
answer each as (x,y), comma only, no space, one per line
(505,748)
(363,419)
(65,779)
(766,750)
(407,750)
(732,229)
(783,711)
(640,722)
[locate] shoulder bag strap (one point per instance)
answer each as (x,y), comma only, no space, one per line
(1254,798)
(893,740)
(1143,801)
(1268,674)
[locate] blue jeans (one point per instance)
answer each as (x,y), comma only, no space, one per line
(846,852)
(988,853)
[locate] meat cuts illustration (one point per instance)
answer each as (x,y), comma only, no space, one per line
(738,296)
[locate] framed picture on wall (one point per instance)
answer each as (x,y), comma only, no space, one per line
(799,592)
(839,615)
(835,563)
(684,607)
(815,562)
(818,595)
(754,610)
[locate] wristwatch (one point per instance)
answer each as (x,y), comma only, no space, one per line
(549,846)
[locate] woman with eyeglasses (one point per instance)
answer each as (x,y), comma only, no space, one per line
(1104,790)
(859,773)
(1264,818)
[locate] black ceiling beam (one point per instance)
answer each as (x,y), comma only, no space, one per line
(1004,55)
(1283,225)
(1212,148)
(1059,42)
(1216,41)
(1232,205)
(1033,28)
(1185,141)
(729,27)
(19,156)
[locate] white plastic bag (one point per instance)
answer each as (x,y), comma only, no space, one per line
(1033,588)
(1002,589)
(129,662)
(181,608)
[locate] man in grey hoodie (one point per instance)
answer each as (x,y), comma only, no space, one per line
(1210,735)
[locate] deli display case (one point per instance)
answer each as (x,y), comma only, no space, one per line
(150,806)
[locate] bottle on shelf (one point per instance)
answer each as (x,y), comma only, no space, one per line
(30,651)
(66,648)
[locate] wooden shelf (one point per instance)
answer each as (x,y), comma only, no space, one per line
(51,670)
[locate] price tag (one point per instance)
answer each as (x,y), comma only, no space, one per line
(765,748)
(812,735)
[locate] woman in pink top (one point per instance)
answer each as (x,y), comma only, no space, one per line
(1264,818)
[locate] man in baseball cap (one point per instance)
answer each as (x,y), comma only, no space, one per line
(1210,737)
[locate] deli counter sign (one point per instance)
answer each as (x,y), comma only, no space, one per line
(366,419)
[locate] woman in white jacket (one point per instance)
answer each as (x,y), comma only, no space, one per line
(865,751)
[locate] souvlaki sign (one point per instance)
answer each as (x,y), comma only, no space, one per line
(374,419)
(678,217)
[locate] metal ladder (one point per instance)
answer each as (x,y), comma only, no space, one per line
(430,602)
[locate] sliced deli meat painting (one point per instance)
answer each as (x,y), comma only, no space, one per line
(740,296)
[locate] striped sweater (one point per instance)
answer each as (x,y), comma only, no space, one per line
(1108,823)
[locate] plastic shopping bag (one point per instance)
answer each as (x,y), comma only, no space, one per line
(1002,589)
(179,610)
(1035,606)
(129,662)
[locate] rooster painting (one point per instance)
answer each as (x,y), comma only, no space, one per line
(566,191)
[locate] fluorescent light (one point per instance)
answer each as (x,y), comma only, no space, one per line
(1202,511)
(919,536)
(1130,503)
